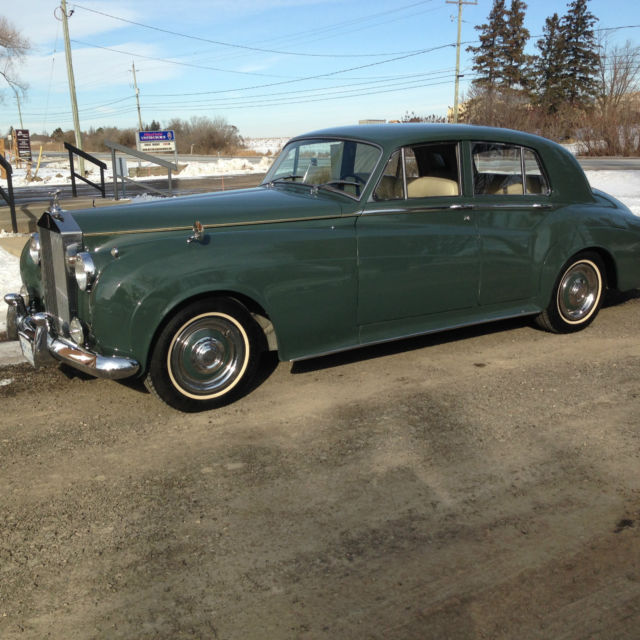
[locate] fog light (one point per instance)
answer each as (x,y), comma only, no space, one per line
(76,331)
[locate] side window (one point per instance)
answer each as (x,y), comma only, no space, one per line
(430,170)
(498,170)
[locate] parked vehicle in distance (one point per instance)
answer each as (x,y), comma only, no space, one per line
(357,235)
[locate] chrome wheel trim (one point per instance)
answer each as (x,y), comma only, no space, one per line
(579,292)
(208,356)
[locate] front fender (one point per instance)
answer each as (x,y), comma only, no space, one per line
(139,288)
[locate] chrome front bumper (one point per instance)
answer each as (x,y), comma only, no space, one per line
(40,347)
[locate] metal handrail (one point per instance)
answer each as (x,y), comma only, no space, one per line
(83,154)
(114,146)
(8,196)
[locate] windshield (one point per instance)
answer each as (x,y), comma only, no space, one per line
(341,165)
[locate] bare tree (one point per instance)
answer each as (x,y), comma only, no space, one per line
(619,74)
(614,127)
(13,47)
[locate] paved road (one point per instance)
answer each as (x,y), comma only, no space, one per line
(478,484)
(613,164)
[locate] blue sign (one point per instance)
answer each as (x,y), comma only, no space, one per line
(156,136)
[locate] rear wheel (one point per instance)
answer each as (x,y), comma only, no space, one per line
(577,295)
(205,356)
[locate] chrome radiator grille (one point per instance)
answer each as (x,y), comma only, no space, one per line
(59,286)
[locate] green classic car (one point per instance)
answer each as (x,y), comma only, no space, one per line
(357,235)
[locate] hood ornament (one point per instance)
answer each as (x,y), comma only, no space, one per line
(198,233)
(54,205)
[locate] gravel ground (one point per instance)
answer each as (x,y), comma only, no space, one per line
(482,483)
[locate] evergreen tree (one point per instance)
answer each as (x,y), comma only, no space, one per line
(516,64)
(580,55)
(487,61)
(549,66)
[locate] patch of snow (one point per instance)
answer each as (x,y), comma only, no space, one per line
(10,281)
(57,173)
(271,146)
(225,166)
(147,197)
(623,185)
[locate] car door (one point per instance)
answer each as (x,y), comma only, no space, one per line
(511,197)
(417,242)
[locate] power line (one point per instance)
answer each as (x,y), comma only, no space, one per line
(273,84)
(175,62)
(247,47)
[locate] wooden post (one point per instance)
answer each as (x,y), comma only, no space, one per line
(3,173)
(14,150)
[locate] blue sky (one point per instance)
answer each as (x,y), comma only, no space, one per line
(269,67)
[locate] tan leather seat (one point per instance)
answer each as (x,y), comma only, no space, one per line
(429,186)
(514,189)
(389,188)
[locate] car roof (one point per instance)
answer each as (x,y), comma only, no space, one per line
(407,133)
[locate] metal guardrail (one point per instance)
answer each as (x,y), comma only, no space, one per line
(114,146)
(83,154)
(7,195)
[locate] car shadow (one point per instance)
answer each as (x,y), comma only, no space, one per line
(403,345)
(613,298)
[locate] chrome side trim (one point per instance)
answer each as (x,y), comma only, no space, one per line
(221,225)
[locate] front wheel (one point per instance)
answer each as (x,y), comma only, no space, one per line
(577,295)
(205,356)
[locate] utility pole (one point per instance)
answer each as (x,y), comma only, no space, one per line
(135,84)
(455,99)
(18,101)
(72,82)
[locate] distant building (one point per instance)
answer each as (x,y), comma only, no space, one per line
(372,121)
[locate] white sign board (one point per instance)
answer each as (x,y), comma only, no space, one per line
(158,141)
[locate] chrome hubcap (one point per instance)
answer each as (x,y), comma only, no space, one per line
(579,291)
(208,355)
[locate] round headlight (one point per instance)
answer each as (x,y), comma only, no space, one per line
(34,247)
(85,270)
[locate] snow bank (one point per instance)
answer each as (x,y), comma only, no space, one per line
(57,173)
(272,146)
(623,185)
(225,166)
(9,281)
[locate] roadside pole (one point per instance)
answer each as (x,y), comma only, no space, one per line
(455,99)
(72,82)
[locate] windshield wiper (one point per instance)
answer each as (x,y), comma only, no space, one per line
(291,176)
